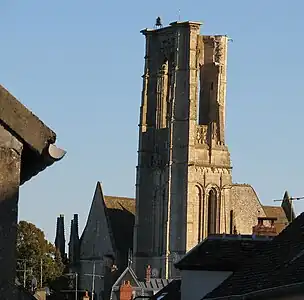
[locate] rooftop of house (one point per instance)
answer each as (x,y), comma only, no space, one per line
(38,140)
(153,284)
(279,213)
(170,292)
(19,292)
(120,203)
(222,252)
(280,263)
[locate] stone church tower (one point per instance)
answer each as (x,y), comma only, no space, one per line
(184,187)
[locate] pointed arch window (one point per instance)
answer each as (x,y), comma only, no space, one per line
(212,211)
(161,95)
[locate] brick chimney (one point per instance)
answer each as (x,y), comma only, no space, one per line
(86,296)
(126,291)
(148,273)
(265,230)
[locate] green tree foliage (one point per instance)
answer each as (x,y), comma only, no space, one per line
(36,254)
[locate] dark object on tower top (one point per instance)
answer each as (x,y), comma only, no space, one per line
(158,23)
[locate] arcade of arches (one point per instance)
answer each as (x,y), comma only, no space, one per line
(208,212)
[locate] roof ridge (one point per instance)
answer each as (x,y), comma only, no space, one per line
(98,190)
(273,258)
(119,197)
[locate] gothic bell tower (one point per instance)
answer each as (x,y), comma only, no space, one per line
(184,170)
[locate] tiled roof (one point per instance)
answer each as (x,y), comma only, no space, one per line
(127,274)
(222,252)
(7,290)
(155,283)
(281,263)
(121,203)
(121,211)
(279,213)
(170,292)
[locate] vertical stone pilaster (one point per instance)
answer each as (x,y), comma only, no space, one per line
(10,166)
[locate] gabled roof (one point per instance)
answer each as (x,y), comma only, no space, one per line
(118,214)
(120,203)
(155,284)
(222,252)
(38,140)
(121,214)
(288,207)
(279,213)
(127,274)
(170,292)
(280,263)
(94,238)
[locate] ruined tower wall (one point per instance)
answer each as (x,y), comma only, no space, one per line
(209,159)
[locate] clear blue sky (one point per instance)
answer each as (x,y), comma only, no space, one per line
(78,66)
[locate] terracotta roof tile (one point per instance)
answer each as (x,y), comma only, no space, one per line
(279,213)
(281,263)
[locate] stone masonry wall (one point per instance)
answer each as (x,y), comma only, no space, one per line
(246,206)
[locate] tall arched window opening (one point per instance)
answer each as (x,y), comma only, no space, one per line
(162,95)
(212,211)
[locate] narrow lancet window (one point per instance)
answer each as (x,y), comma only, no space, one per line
(212,212)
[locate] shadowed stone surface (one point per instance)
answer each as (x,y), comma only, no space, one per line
(26,148)
(10,164)
(24,123)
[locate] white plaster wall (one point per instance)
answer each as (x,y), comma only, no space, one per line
(196,284)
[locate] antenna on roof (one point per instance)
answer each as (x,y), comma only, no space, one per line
(179,14)
(130,258)
(290,198)
(287,205)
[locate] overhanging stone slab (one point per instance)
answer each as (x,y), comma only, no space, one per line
(38,140)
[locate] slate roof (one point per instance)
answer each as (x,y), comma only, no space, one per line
(279,213)
(222,252)
(127,274)
(17,291)
(121,214)
(280,263)
(34,134)
(170,292)
(155,283)
(120,203)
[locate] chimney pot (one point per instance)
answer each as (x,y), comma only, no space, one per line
(148,273)
(262,229)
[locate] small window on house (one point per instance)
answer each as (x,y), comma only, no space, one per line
(211,86)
